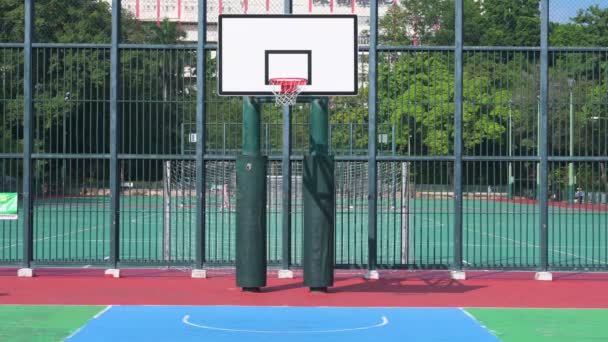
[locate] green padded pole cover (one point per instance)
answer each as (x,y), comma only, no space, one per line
(251,203)
(318,192)
(251,221)
(319,201)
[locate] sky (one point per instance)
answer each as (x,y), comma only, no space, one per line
(562,10)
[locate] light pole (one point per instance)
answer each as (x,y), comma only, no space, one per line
(571,180)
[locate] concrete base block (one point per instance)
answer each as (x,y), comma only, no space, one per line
(199,274)
(25,272)
(458,275)
(544,276)
(286,274)
(372,274)
(112,273)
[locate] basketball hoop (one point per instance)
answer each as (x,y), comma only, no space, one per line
(286,90)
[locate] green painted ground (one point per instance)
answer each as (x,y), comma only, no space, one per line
(42,323)
(495,234)
(539,325)
(55,323)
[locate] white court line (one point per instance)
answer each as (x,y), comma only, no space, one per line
(66,234)
(102,311)
(52,236)
(94,317)
(186,320)
(435,244)
(477,322)
(537,246)
(526,243)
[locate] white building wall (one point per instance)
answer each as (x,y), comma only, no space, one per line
(187,15)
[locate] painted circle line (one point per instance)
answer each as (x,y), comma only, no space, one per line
(186,320)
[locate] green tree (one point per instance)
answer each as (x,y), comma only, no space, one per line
(473,24)
(393,27)
(571,35)
(420,18)
(64,21)
(422,96)
(594,20)
(71,85)
(511,23)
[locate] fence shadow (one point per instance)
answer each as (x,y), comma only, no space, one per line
(407,287)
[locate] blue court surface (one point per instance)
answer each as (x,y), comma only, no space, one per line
(238,323)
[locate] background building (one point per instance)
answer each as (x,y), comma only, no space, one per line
(185,11)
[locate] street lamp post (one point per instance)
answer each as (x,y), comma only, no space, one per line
(571,179)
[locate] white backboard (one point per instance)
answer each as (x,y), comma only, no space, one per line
(254,48)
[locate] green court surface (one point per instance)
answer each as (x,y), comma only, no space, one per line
(42,323)
(539,325)
(56,323)
(495,234)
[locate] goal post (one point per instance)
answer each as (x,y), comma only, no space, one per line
(167,210)
(405,211)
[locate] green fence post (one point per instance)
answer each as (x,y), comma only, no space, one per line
(372,220)
(458,92)
(114,136)
(319,202)
(544,124)
(251,203)
(27,136)
(286,177)
(201,82)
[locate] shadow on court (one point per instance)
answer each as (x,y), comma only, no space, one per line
(400,286)
(405,287)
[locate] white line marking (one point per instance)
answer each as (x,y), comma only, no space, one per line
(186,320)
(476,321)
(74,333)
(102,311)
(70,233)
(527,244)
(94,317)
(53,236)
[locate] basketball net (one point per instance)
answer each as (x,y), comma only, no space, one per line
(286,90)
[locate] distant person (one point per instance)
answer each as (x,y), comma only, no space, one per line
(579,195)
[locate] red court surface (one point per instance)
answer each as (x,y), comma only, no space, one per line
(395,289)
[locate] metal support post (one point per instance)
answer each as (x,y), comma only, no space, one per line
(115,136)
(372,223)
(458,96)
(201,72)
(544,123)
(286,177)
(28,117)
